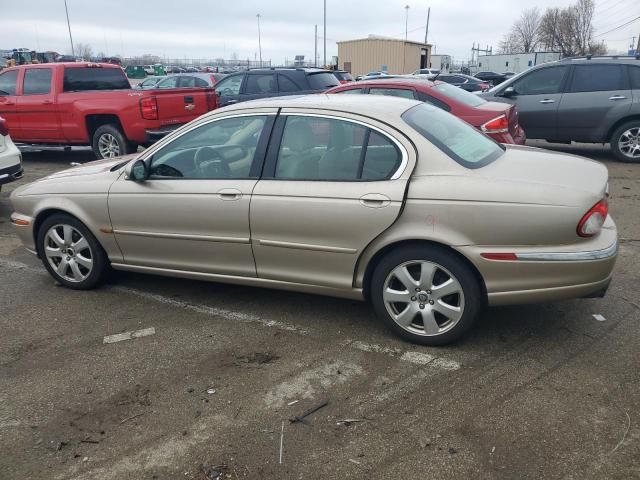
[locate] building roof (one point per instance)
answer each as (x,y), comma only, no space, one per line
(380,38)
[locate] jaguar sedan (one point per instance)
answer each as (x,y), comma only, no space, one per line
(382,199)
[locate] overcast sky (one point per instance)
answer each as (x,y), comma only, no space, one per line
(211,29)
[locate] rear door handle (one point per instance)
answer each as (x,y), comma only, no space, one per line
(228,194)
(188,99)
(547,100)
(375,200)
(617,97)
(47,102)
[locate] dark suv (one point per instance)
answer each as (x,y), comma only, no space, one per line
(273,82)
(587,99)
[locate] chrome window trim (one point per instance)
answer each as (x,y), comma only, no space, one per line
(604,253)
(403,151)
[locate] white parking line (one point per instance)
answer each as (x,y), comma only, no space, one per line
(119,337)
(418,358)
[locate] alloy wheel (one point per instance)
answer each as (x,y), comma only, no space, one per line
(68,253)
(108,146)
(629,143)
(423,298)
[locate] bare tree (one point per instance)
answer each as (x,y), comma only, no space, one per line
(509,44)
(84,51)
(526,29)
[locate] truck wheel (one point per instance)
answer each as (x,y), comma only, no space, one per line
(625,142)
(426,295)
(109,141)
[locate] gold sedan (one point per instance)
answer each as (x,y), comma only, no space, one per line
(375,198)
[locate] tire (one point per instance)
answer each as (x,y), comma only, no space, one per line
(461,302)
(627,131)
(90,259)
(108,142)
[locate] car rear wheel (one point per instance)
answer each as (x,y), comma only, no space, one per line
(426,295)
(109,142)
(625,142)
(70,252)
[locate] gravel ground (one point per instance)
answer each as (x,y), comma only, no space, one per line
(542,391)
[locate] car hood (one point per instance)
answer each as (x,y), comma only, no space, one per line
(92,168)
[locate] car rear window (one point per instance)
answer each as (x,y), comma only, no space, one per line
(458,139)
(459,95)
(343,76)
(322,80)
(77,79)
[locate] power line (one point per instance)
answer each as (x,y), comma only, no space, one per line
(618,27)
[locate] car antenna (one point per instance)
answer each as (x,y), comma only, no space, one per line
(437,75)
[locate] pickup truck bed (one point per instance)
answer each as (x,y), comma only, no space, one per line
(92,104)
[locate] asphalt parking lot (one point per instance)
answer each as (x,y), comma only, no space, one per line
(541,391)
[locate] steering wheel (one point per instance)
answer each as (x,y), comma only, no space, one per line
(209,163)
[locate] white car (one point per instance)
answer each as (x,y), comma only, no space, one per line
(10,156)
(426,71)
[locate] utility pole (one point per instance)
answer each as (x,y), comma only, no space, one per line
(259,40)
(426,32)
(69,27)
(324,35)
(638,46)
(406,23)
(315,47)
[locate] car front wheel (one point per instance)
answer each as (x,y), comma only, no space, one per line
(426,295)
(70,252)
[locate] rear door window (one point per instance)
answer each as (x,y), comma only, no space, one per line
(597,78)
(352,91)
(287,85)
(393,92)
(8,82)
(634,75)
(37,81)
(261,84)
(77,79)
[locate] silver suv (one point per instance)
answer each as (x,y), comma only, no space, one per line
(585,99)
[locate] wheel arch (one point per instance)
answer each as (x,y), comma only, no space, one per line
(94,121)
(380,254)
(619,123)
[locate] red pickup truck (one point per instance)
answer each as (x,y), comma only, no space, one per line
(92,104)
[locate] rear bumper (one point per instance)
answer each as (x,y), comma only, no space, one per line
(518,139)
(544,274)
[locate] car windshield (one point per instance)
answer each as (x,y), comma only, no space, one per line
(459,95)
(458,139)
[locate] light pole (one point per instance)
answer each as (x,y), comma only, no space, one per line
(69,27)
(406,23)
(259,40)
(324,35)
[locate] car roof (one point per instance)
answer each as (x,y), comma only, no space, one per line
(378,106)
(393,80)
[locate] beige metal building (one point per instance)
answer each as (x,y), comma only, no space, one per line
(382,54)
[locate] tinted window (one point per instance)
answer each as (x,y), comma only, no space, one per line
(634,73)
(343,76)
(394,92)
(171,82)
(94,78)
(459,95)
(221,149)
(261,84)
(229,86)
(596,78)
(545,81)
(191,82)
(436,102)
(328,149)
(322,80)
(454,137)
(8,82)
(287,85)
(37,81)
(353,90)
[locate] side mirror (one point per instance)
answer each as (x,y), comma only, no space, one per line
(508,92)
(137,171)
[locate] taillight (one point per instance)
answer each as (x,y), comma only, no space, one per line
(4,128)
(496,125)
(484,87)
(149,108)
(592,221)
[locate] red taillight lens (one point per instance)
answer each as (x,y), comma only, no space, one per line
(149,108)
(4,128)
(592,221)
(484,87)
(496,125)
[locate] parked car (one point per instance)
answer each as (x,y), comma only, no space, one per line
(492,77)
(591,99)
(10,157)
(181,80)
(191,70)
(377,198)
(426,71)
(148,69)
(370,75)
(174,69)
(492,118)
(92,104)
(272,82)
(508,74)
(465,82)
(342,76)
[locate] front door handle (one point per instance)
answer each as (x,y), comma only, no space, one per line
(547,100)
(229,194)
(47,102)
(375,200)
(232,101)
(617,97)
